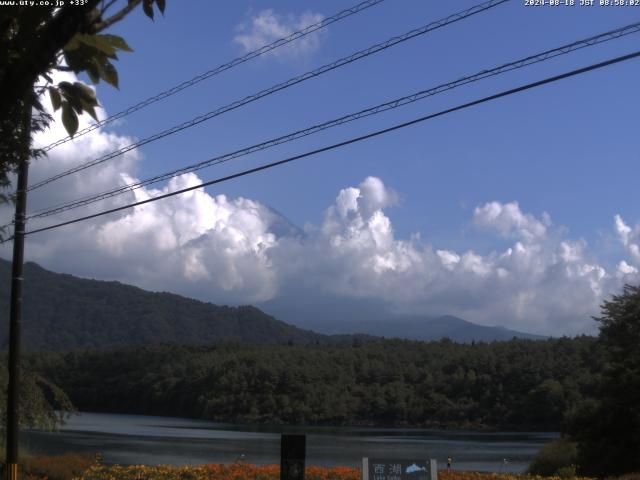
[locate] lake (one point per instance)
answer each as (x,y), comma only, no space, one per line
(138,439)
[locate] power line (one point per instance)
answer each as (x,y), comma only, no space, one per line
(281,86)
(221,68)
(530,60)
(350,141)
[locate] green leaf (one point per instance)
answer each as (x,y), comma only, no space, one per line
(117,42)
(73,44)
(69,119)
(76,104)
(74,101)
(72,60)
(80,97)
(90,110)
(147,7)
(109,73)
(86,93)
(93,71)
(98,42)
(79,58)
(161,5)
(66,88)
(107,44)
(56,99)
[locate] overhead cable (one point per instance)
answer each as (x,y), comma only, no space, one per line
(398,102)
(221,68)
(334,146)
(281,86)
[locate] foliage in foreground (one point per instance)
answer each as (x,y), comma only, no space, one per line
(606,426)
(38,40)
(555,458)
(42,403)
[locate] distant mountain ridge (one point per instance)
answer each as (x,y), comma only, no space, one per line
(63,312)
(340,315)
(427,329)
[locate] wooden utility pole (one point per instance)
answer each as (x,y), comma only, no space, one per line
(15,316)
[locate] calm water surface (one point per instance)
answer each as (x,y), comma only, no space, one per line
(137,439)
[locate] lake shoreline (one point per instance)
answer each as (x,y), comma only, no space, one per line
(154,440)
(440,426)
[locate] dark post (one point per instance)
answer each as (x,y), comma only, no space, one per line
(292,457)
(15,319)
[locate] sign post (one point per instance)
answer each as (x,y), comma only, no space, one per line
(394,469)
(292,457)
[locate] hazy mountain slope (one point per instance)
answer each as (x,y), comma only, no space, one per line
(63,312)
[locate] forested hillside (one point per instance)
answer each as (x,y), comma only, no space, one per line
(515,384)
(62,312)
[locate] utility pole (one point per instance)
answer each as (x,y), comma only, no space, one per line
(15,316)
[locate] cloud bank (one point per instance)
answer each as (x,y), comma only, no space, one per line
(237,250)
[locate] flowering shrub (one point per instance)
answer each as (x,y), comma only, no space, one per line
(236,471)
(56,467)
(80,467)
(241,471)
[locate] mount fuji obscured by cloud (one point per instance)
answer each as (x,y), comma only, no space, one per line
(517,268)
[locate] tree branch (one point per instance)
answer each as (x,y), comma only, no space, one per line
(116,17)
(107,6)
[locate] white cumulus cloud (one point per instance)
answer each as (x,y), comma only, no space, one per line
(195,244)
(630,238)
(510,221)
(542,282)
(267,26)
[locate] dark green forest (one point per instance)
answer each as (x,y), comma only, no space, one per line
(515,384)
(63,312)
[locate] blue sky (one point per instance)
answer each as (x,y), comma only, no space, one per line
(567,153)
(566,149)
